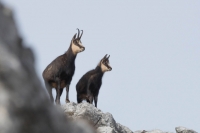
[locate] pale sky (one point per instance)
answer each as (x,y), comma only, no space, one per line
(154,48)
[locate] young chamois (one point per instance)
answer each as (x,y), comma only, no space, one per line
(58,74)
(88,86)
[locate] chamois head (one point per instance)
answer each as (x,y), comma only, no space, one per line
(76,44)
(104,64)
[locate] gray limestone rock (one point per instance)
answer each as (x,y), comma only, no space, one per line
(103,122)
(184,130)
(105,130)
(24,104)
(152,131)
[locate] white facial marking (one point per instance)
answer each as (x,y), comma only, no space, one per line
(80,43)
(76,49)
(104,68)
(109,66)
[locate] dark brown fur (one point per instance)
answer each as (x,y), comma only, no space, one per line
(58,74)
(89,85)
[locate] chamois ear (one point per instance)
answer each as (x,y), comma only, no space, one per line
(74,37)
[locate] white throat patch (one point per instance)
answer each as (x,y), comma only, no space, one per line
(76,49)
(104,68)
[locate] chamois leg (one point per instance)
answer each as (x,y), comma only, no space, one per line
(57,96)
(79,100)
(67,94)
(49,89)
(95,101)
(61,91)
(58,92)
(90,99)
(89,93)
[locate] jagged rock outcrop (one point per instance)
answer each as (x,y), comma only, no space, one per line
(24,105)
(103,122)
(184,130)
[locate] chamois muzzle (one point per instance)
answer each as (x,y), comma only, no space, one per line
(82,49)
(110,68)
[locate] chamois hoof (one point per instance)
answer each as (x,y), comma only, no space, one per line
(67,101)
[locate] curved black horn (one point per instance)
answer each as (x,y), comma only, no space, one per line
(108,57)
(78,33)
(105,56)
(81,34)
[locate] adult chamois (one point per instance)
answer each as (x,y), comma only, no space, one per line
(58,74)
(88,86)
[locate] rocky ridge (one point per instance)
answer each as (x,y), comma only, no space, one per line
(104,122)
